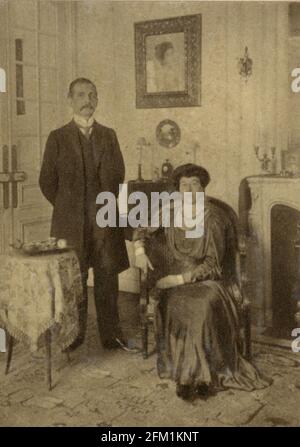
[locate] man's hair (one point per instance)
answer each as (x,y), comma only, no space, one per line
(79,81)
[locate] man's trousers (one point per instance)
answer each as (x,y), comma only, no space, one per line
(106,303)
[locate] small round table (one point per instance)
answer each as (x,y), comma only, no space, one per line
(39,297)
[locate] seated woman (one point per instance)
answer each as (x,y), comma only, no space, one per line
(196,317)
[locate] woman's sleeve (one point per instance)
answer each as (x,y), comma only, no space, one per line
(211,265)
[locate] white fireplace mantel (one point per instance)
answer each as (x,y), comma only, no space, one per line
(266,191)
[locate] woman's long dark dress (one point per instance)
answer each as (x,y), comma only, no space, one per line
(197,324)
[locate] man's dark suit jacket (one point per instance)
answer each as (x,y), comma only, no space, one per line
(62,182)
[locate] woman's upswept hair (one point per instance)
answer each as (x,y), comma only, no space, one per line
(191,170)
(162,48)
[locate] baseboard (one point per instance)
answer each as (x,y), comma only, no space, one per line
(258,337)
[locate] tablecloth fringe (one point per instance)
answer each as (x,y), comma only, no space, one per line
(19,335)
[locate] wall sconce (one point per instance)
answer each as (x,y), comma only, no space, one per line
(245,65)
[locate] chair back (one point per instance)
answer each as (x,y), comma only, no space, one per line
(230,262)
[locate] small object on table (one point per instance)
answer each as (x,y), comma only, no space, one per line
(62,243)
(166,169)
(40,294)
(155,176)
(50,245)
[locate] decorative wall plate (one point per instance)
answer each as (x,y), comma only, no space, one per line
(168,133)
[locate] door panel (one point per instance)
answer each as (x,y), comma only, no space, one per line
(38,67)
(5,124)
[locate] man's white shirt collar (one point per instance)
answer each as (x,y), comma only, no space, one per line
(82,122)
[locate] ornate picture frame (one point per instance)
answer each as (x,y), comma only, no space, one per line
(168,62)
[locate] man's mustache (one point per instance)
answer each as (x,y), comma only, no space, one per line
(87,106)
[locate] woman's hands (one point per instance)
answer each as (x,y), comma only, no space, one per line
(174,280)
(170,281)
(167,282)
(144,264)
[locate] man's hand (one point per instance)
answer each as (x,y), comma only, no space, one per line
(143,262)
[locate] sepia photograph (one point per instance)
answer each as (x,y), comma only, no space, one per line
(165,63)
(149,217)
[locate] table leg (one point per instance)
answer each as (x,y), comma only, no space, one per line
(48,358)
(10,345)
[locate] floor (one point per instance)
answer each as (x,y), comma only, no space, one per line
(101,388)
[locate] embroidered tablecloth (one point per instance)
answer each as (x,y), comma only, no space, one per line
(40,292)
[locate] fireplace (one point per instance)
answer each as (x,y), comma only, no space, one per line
(284,268)
(272,259)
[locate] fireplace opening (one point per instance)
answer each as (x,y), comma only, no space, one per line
(284,264)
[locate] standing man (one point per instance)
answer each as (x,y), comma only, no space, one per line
(82,159)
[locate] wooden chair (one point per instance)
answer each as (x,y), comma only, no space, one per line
(235,267)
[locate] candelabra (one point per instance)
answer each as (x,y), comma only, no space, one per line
(141,143)
(265,160)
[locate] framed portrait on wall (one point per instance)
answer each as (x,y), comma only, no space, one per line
(168,62)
